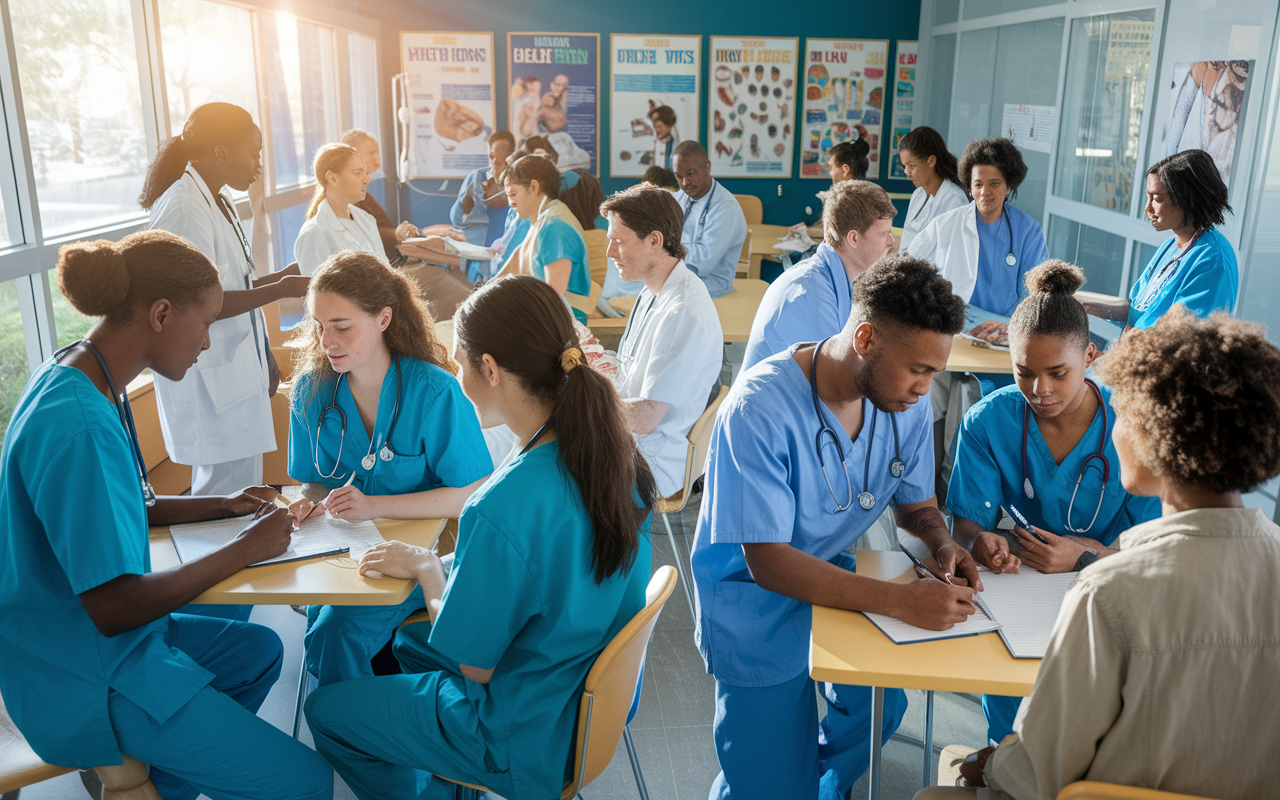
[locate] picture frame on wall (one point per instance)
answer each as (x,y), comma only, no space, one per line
(751,108)
(554,91)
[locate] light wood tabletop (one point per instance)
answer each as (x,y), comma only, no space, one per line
(847,648)
(324,580)
(738,308)
(966,356)
(764,237)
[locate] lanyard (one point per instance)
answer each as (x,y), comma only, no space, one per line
(923,206)
(702,220)
(635,325)
(1162,277)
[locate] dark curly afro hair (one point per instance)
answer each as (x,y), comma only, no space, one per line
(907,291)
(1002,154)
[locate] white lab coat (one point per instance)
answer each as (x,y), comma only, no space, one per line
(220,410)
(950,244)
(324,236)
(660,150)
(924,209)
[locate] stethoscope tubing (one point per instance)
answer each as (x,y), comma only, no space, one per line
(386,452)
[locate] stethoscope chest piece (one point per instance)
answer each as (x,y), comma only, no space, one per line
(1011,260)
(896,468)
(1027,489)
(867,500)
(368,461)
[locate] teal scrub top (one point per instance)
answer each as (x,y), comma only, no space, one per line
(988,473)
(436,437)
(1000,287)
(74,519)
(556,240)
(1205,279)
(522,600)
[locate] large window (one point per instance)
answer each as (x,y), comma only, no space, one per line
(208,56)
(302,94)
(364,76)
(14,369)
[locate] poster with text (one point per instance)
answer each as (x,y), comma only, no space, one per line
(1030,127)
(555,92)
(449,92)
(752,106)
(844,86)
(904,103)
(1208,101)
(649,72)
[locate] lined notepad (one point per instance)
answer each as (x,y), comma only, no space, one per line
(317,536)
(906,633)
(1027,606)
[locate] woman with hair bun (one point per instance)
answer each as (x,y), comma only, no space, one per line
(96,661)
(553,559)
(1042,446)
(218,418)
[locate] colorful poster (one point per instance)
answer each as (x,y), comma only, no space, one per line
(555,92)
(449,84)
(1208,100)
(844,86)
(649,72)
(752,106)
(904,103)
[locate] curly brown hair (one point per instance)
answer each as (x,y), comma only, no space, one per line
(1202,398)
(1000,153)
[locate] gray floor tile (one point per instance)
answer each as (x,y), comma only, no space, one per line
(693,760)
(685,690)
(649,714)
(618,782)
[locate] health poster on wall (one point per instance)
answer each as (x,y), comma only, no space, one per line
(648,73)
(904,102)
(555,92)
(1030,127)
(752,106)
(1208,101)
(844,86)
(449,92)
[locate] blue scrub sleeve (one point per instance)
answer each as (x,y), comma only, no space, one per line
(456,215)
(748,480)
(1210,286)
(489,598)
(917,452)
(458,458)
(302,430)
(725,231)
(102,533)
(975,478)
(557,240)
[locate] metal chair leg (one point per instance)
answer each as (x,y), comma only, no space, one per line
(928,739)
(684,577)
(635,762)
(304,688)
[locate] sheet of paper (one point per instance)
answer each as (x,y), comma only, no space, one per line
(1027,605)
(319,535)
(905,633)
(467,250)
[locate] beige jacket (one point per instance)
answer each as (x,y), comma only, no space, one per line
(1164,668)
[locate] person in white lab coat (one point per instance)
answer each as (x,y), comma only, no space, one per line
(931,167)
(334,222)
(217,418)
(665,137)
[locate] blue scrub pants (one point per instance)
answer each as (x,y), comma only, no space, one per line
(340,640)
(238,613)
(767,747)
(1000,712)
(215,743)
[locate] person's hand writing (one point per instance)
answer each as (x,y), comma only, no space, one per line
(955,561)
(971,768)
(1059,555)
(398,560)
(267,536)
(248,500)
(349,504)
(304,509)
(934,605)
(991,550)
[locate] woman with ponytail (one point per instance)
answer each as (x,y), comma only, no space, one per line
(553,559)
(218,418)
(379,428)
(96,661)
(1043,446)
(334,221)
(930,166)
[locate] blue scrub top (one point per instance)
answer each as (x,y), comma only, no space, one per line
(713,239)
(436,437)
(988,472)
(1000,287)
(525,604)
(74,519)
(557,239)
(807,303)
(476,224)
(764,484)
(1205,280)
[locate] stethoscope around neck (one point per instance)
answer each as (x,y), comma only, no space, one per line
(706,209)
(386,452)
(1009,259)
(1099,454)
(866,499)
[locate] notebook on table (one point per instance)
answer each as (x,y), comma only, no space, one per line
(905,633)
(321,535)
(1027,605)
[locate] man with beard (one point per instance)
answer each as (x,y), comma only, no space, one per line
(809,448)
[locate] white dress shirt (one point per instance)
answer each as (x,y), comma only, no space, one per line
(324,236)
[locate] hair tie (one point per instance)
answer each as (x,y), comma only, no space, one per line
(570,358)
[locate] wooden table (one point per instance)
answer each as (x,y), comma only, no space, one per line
(764,237)
(738,308)
(967,356)
(847,648)
(323,580)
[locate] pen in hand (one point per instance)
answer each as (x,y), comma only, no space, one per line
(1024,524)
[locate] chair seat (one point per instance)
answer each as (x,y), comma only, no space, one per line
(624,303)
(670,505)
(19,764)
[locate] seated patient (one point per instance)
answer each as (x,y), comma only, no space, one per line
(669,356)
(379,428)
(553,559)
(1043,446)
(1162,668)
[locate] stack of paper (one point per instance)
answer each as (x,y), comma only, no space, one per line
(1027,606)
(905,633)
(320,535)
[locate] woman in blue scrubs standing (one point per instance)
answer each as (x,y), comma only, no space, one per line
(379,428)
(1044,447)
(553,559)
(95,663)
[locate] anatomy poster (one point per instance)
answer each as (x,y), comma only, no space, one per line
(650,72)
(555,92)
(1209,98)
(752,106)
(449,84)
(904,103)
(844,88)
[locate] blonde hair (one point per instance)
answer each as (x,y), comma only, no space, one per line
(853,205)
(330,158)
(356,137)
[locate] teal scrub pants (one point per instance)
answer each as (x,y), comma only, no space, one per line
(767,747)
(238,613)
(340,640)
(215,743)
(1000,712)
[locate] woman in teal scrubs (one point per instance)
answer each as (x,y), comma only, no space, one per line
(553,559)
(1044,447)
(95,663)
(379,429)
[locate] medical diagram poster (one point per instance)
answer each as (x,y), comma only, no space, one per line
(844,100)
(648,72)
(555,92)
(752,106)
(449,82)
(904,103)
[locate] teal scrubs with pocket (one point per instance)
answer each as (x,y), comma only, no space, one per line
(178,693)
(1204,279)
(556,240)
(437,442)
(522,600)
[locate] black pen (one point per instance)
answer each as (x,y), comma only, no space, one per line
(924,572)
(1022,521)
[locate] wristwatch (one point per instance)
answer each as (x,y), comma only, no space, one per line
(1086,558)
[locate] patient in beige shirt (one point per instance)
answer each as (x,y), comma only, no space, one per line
(1164,668)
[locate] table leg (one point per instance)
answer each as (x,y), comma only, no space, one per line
(928,739)
(877,727)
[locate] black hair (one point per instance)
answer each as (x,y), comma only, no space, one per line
(1193,184)
(924,142)
(910,292)
(208,126)
(1049,308)
(661,176)
(503,136)
(1002,154)
(852,155)
(690,148)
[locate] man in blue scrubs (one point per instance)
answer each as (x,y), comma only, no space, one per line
(811,301)
(714,226)
(776,522)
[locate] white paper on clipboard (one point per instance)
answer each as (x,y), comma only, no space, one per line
(317,536)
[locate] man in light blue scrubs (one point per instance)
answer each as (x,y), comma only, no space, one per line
(778,517)
(714,226)
(811,301)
